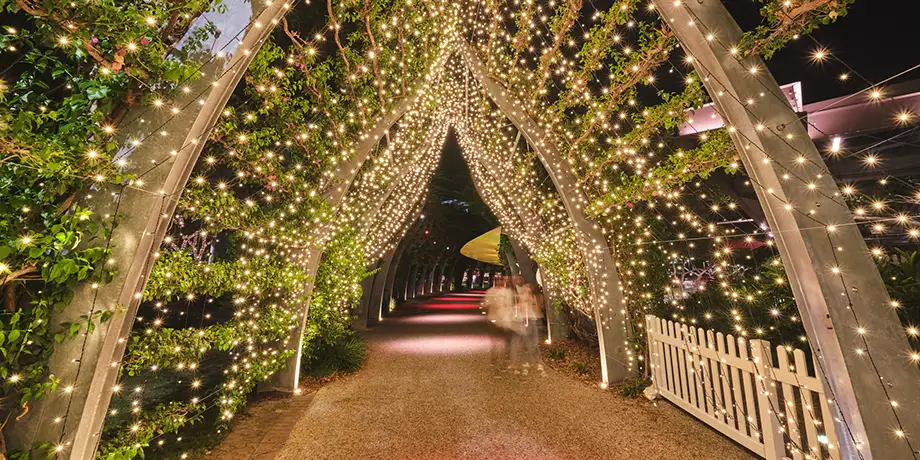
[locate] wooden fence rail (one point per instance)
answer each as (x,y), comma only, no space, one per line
(769,400)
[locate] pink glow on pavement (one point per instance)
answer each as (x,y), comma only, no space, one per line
(456,299)
(465,318)
(450,306)
(439,344)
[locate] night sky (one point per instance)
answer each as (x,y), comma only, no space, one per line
(452,179)
(877,39)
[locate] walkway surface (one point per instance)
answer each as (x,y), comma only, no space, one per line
(429,392)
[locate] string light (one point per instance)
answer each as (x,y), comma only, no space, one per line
(279,210)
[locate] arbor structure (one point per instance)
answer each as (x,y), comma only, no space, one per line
(318,166)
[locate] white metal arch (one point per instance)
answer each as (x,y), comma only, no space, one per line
(829,303)
(829,321)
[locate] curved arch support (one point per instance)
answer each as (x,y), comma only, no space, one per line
(410,283)
(140,232)
(809,252)
(288,378)
(439,281)
(375,301)
(430,284)
(372,289)
(520,262)
(555,324)
(419,289)
(388,292)
(362,312)
(606,299)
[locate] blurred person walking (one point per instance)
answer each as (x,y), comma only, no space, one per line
(499,305)
(531,317)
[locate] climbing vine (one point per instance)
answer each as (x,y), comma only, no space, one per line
(71,72)
(229,289)
(227,294)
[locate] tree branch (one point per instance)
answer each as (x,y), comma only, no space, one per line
(17,274)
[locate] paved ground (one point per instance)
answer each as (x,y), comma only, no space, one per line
(428,392)
(260,434)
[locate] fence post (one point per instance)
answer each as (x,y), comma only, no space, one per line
(767,401)
(651,329)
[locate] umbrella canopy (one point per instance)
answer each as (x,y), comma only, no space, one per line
(484,248)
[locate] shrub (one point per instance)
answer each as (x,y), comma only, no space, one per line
(344,355)
(581,368)
(556,354)
(633,387)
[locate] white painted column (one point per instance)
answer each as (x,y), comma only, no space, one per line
(362,311)
(389,291)
(375,304)
(410,283)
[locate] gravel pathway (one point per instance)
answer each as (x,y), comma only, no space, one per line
(428,392)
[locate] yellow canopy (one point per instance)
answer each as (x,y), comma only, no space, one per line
(484,248)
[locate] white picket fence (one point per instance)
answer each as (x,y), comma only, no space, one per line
(774,408)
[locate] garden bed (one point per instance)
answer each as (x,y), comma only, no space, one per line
(581,362)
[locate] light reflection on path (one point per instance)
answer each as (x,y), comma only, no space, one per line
(433,330)
(428,392)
